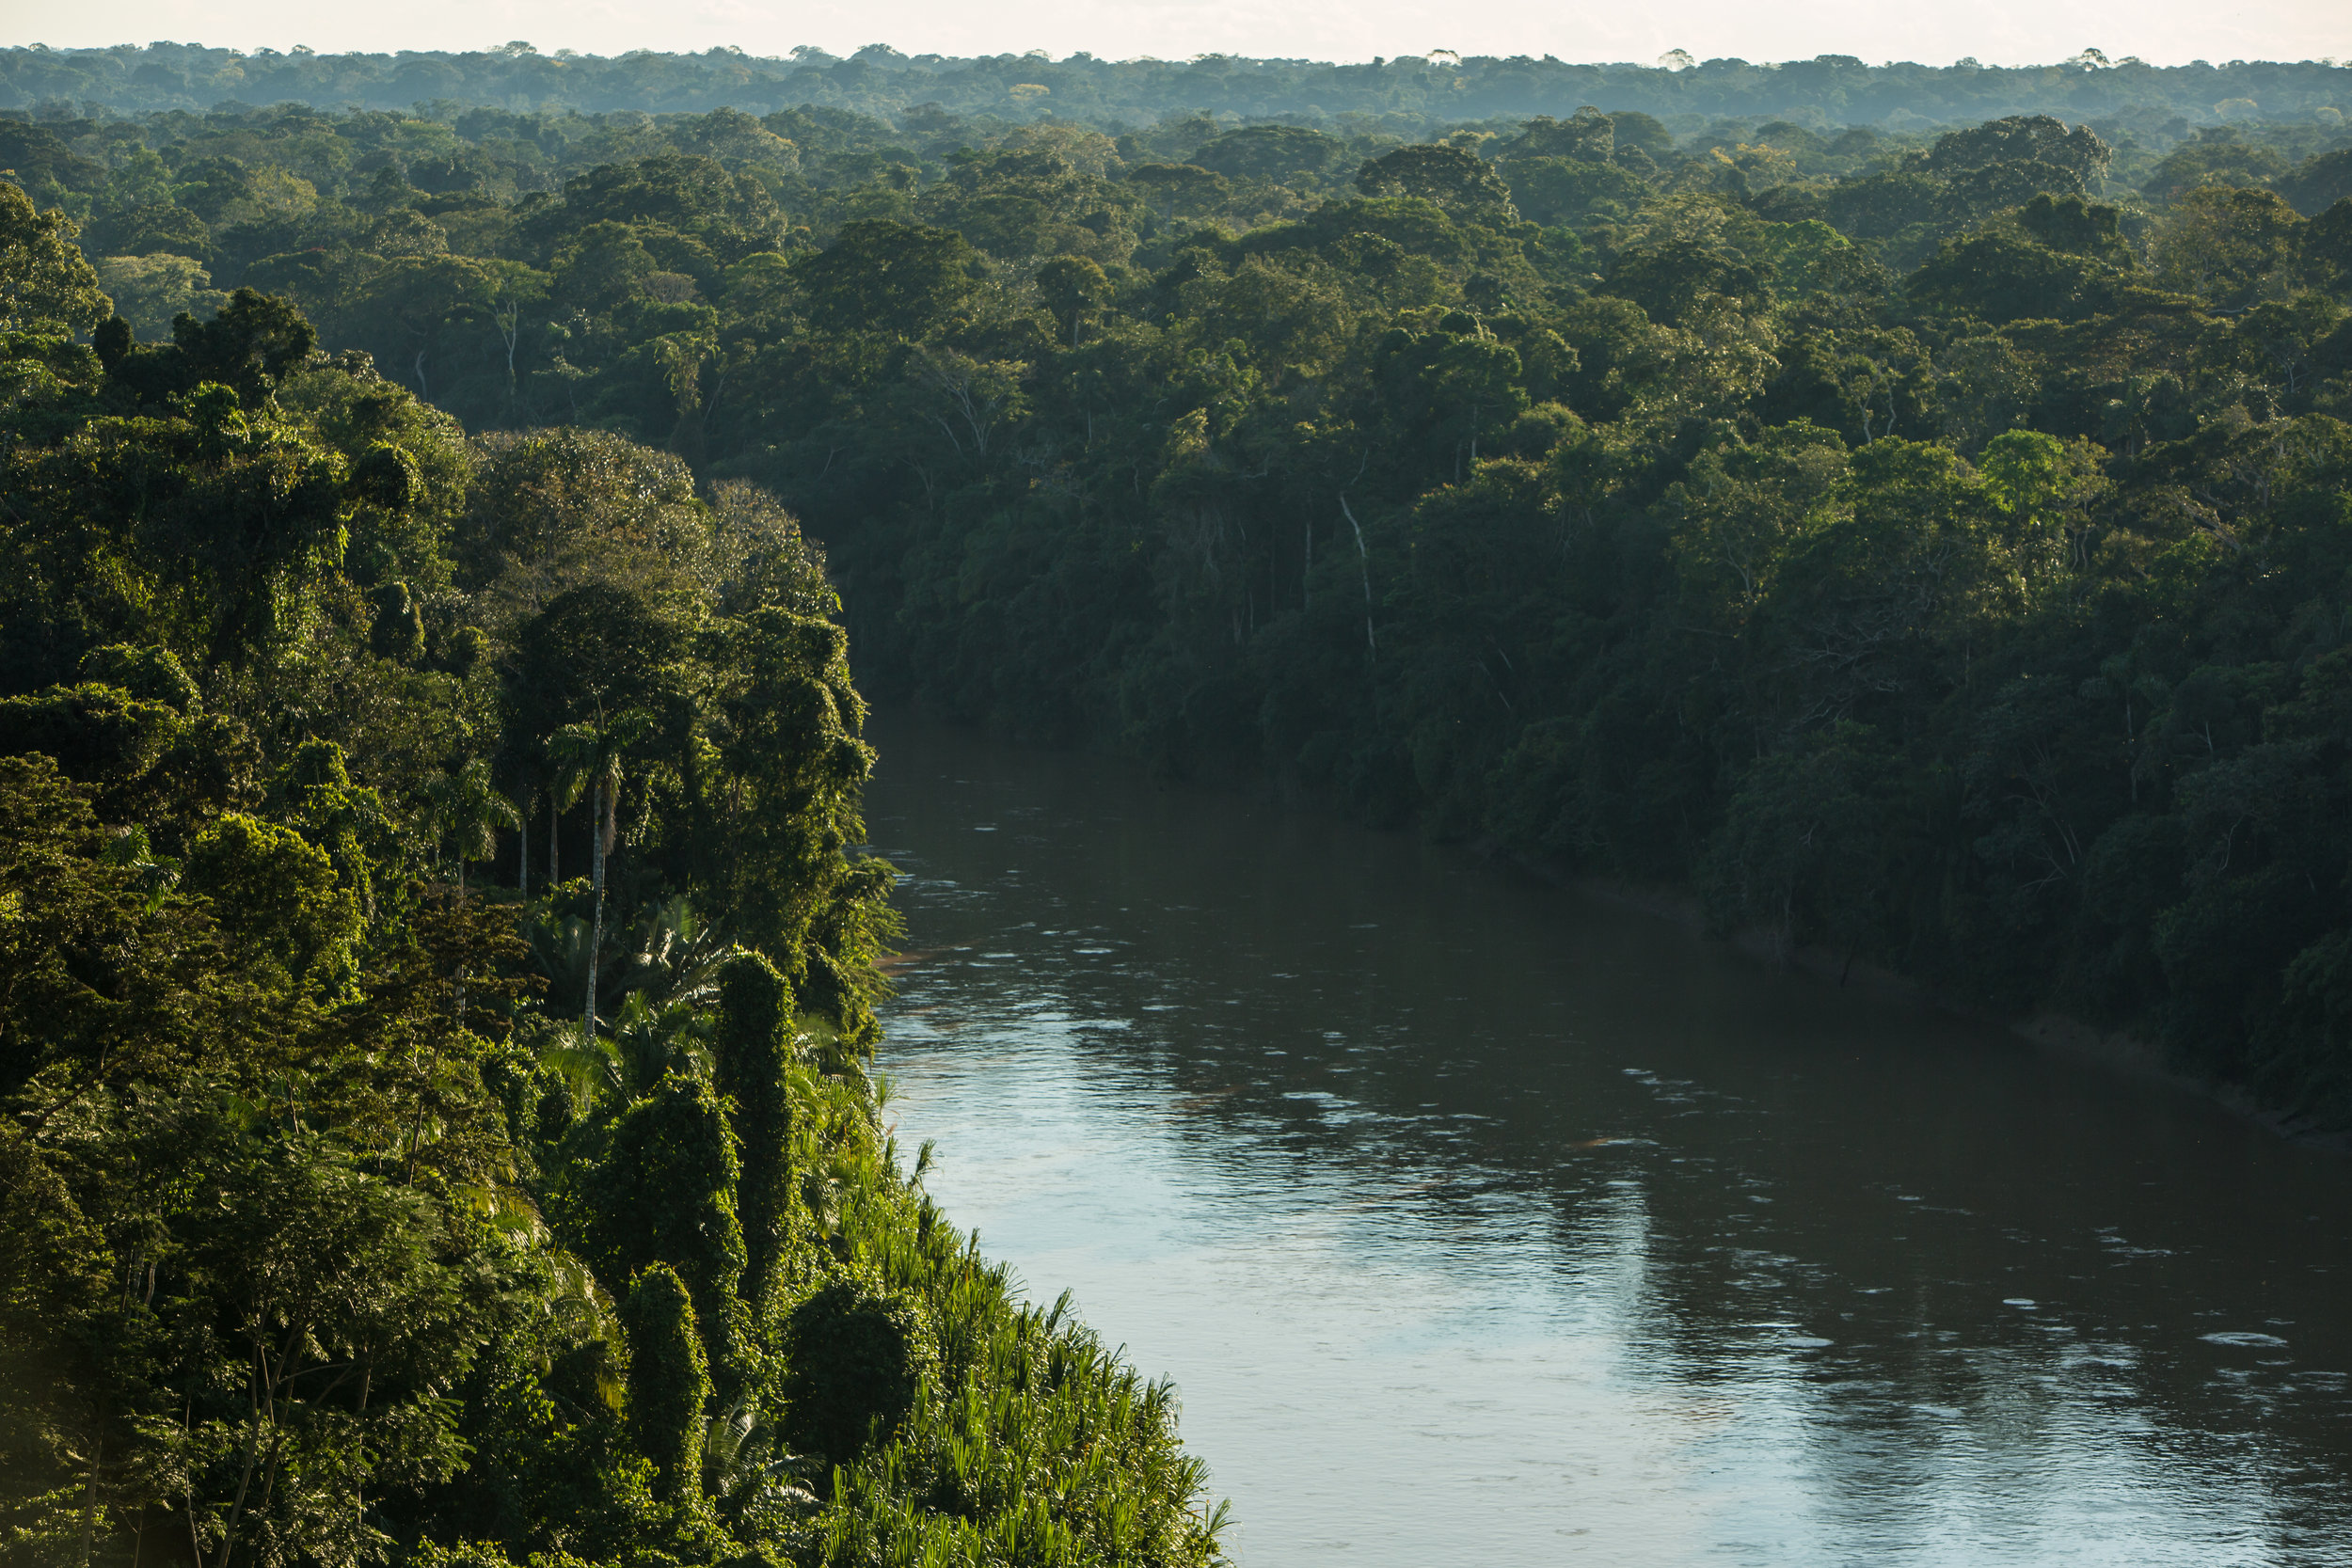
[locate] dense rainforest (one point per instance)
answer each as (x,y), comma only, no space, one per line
(1935,547)
(437,982)
(441,962)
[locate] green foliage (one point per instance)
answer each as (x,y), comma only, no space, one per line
(660,1189)
(104,982)
(1783,467)
(860,1360)
(889,277)
(669,1383)
(100,735)
(316,1216)
(2035,138)
(1795,851)
(282,909)
(45,282)
(1455,179)
(752,1046)
(1023,1434)
(149,674)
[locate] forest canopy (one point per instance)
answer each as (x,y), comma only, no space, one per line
(1926,545)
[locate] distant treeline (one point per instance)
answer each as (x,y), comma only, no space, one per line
(1117,94)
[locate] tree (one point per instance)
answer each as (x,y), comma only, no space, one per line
(2327,247)
(1275,152)
(1178,185)
(45,285)
(148,290)
(98,735)
(669,1379)
(661,1188)
(100,981)
(883,277)
(1586,136)
(858,1359)
(1463,183)
(788,744)
(336,1322)
(469,813)
(1479,379)
(282,909)
(753,1047)
(1798,849)
(590,758)
(554,511)
(250,346)
(2049,488)
(1072,287)
(2039,138)
(1738,509)
(2324,179)
(1562,190)
(2225,244)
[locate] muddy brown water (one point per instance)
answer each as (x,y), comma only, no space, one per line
(1480,1222)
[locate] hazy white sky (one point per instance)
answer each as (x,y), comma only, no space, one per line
(1994,31)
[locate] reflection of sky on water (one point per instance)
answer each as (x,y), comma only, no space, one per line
(1479,1224)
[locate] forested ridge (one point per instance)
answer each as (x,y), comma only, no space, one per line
(437,983)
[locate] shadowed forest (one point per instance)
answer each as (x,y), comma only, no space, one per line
(441,961)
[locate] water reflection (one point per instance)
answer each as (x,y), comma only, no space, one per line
(1478,1221)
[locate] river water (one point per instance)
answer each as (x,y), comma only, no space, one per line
(1480,1222)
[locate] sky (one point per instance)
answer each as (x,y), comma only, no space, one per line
(1996,32)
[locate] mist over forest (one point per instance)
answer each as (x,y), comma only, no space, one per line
(1428,89)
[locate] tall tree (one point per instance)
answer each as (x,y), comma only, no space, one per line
(467,814)
(590,758)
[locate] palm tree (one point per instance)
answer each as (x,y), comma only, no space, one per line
(468,812)
(744,1473)
(648,1039)
(678,955)
(529,797)
(588,758)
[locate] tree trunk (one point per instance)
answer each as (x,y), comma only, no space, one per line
(1364,563)
(510,329)
(595,938)
(461,968)
(555,824)
(89,1500)
(523,870)
(359,1469)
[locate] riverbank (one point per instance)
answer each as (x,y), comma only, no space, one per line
(2062,1033)
(2051,1029)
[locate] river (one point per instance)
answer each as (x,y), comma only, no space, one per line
(1481,1222)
